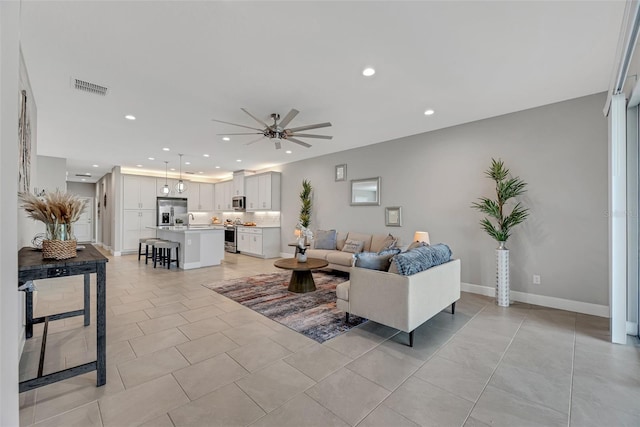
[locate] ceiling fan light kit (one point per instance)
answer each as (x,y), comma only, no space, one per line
(278,131)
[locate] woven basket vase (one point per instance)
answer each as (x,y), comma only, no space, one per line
(58,249)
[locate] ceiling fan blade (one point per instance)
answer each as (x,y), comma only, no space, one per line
(256,119)
(316,126)
(306,135)
(278,144)
(254,141)
(287,119)
(297,141)
(234,124)
(248,133)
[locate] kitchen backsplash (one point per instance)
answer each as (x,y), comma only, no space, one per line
(263,219)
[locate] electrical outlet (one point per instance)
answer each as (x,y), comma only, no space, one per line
(536,279)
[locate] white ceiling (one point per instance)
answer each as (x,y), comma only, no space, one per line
(176,65)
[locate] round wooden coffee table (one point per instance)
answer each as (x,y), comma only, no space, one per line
(301,278)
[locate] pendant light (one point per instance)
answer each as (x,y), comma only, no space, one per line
(181,187)
(165,189)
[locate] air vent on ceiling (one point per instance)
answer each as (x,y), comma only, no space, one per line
(84,175)
(189,173)
(86,86)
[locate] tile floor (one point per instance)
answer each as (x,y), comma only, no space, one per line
(180,355)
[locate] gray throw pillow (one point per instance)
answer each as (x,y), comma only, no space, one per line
(325,239)
(353,246)
(417,245)
(375,261)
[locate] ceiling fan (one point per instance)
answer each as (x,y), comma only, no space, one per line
(278,131)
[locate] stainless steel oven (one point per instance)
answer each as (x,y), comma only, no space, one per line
(230,238)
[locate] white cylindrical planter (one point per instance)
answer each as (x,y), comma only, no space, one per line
(502,276)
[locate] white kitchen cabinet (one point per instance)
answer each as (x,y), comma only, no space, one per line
(200,196)
(138,192)
(134,227)
(263,192)
(259,242)
(223,195)
(238,185)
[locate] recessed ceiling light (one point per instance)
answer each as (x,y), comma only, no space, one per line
(187,163)
(95,166)
(152,158)
(130,117)
(201,172)
(205,155)
(288,151)
(217,167)
(226,138)
(165,149)
(139,166)
(83,179)
(429,112)
(239,160)
(172,169)
(368,72)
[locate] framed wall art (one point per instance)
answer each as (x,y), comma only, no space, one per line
(393,216)
(341,173)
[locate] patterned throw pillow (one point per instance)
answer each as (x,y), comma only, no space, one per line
(325,239)
(421,258)
(353,246)
(375,261)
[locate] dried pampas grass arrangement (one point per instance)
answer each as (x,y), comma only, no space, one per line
(58,210)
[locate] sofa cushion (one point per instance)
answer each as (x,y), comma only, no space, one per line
(380,242)
(340,239)
(340,258)
(353,246)
(318,253)
(375,261)
(422,258)
(365,238)
(342,291)
(325,239)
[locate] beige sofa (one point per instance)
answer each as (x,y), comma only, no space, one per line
(401,302)
(343,261)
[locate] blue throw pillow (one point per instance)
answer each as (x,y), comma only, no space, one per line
(375,261)
(325,239)
(422,258)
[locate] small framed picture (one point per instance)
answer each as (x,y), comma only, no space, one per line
(393,216)
(341,172)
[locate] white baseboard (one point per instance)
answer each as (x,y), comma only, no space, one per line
(632,328)
(115,253)
(542,300)
(286,255)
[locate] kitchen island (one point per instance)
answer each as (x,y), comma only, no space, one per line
(200,245)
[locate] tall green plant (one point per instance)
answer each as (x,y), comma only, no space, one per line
(305,200)
(506,189)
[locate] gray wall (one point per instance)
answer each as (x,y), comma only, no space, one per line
(82,189)
(559,149)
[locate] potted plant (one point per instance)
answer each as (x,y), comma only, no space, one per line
(498,224)
(303,233)
(58,211)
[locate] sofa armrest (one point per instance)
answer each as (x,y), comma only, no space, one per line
(403,302)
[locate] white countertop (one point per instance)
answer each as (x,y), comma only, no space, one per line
(184,228)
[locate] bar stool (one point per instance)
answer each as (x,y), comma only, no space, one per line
(165,247)
(150,242)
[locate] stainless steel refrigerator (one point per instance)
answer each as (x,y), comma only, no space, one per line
(171,208)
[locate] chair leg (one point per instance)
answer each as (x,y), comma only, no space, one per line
(146,255)
(347,318)
(168,258)
(453,308)
(177,257)
(154,253)
(411,339)
(139,250)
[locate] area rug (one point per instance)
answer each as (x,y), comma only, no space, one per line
(313,314)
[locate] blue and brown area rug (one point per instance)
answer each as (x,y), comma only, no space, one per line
(313,314)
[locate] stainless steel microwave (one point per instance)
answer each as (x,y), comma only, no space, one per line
(238,203)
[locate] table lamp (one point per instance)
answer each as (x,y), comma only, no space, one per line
(421,236)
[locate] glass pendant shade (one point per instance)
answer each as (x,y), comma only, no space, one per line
(165,188)
(181,187)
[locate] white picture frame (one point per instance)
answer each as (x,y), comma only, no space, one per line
(341,172)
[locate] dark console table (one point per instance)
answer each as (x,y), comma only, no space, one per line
(89,260)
